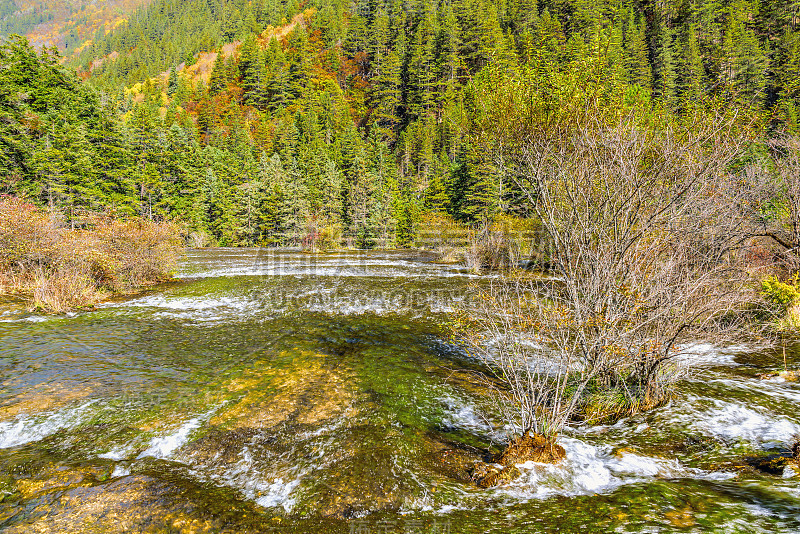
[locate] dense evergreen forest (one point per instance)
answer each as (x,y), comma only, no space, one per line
(259,122)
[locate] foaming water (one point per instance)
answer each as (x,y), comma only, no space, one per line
(339,299)
(734,422)
(28,428)
(253,477)
(189,303)
(708,354)
(164,446)
(464,415)
(278,493)
(277,262)
(589,469)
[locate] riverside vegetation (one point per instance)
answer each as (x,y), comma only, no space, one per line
(58,268)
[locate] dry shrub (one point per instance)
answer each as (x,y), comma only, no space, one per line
(645,259)
(444,235)
(507,243)
(526,234)
(644,249)
(134,252)
(772,202)
(200,239)
(63,269)
(492,249)
(27,235)
(321,234)
(537,374)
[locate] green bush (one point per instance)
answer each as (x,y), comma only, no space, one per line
(783,294)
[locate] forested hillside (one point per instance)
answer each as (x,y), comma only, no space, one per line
(68,25)
(258,122)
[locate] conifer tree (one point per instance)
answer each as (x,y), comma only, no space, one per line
(636,59)
(253,74)
(219,75)
(421,66)
(387,93)
(743,60)
(447,46)
(279,81)
(691,73)
(172,82)
(664,66)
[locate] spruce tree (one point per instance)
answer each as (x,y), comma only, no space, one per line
(636,57)
(664,84)
(219,75)
(387,93)
(691,73)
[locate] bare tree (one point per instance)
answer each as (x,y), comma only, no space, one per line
(643,242)
(645,256)
(772,200)
(537,376)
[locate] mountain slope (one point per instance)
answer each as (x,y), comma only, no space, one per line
(68,25)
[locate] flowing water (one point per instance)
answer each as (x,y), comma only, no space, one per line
(273,391)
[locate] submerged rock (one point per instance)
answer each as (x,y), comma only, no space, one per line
(527,448)
(8,487)
(531,448)
(683,518)
(144,503)
(490,475)
(61,478)
(308,392)
(786,465)
(774,464)
(363,474)
(43,399)
(456,464)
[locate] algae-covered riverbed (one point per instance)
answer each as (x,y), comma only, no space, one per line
(281,392)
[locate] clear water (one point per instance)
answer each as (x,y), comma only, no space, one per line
(274,391)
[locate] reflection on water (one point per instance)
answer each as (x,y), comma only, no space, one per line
(274,391)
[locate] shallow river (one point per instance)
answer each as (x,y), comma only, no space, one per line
(281,392)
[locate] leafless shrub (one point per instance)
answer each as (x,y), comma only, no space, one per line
(771,201)
(63,290)
(643,244)
(645,254)
(504,244)
(492,249)
(199,239)
(62,268)
(26,235)
(444,235)
(523,341)
(134,252)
